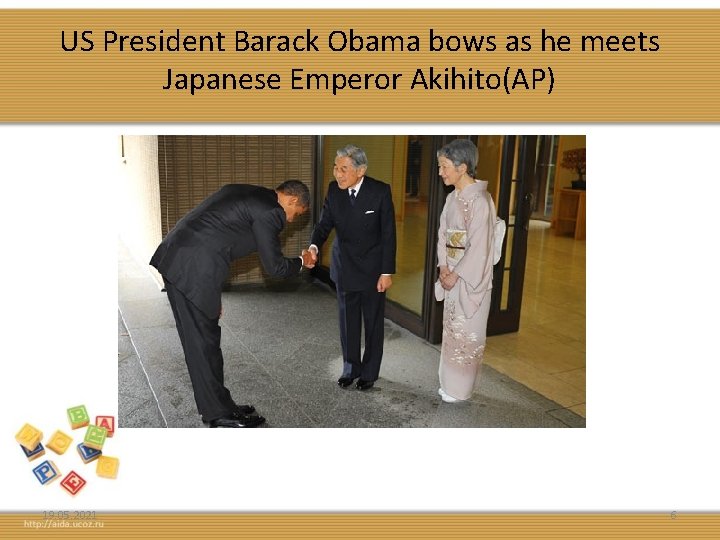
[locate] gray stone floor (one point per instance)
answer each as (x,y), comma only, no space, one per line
(285,359)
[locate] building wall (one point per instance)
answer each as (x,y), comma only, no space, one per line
(564,177)
(489,162)
(193,167)
(381,152)
(139,219)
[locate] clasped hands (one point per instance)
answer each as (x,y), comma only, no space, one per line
(309,257)
(448,279)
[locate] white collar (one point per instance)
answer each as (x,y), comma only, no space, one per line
(356,187)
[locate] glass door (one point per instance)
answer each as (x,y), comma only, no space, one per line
(545,177)
(515,204)
(405,163)
(507,162)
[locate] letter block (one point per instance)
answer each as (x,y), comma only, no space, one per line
(107,467)
(95,437)
(88,454)
(29,436)
(46,472)
(38,451)
(78,416)
(108,422)
(59,442)
(73,483)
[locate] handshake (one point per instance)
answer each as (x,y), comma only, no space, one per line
(309,257)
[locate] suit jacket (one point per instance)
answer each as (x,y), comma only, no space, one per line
(365,243)
(237,220)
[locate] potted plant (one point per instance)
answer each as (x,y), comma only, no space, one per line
(575,160)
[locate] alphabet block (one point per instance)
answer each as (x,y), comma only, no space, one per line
(88,454)
(29,436)
(38,451)
(46,472)
(59,442)
(78,416)
(108,422)
(107,467)
(95,437)
(73,483)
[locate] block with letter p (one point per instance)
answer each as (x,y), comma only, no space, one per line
(46,472)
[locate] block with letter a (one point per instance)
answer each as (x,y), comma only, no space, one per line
(108,422)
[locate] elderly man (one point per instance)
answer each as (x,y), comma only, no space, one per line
(194,260)
(360,209)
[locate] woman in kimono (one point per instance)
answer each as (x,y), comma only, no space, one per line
(465,263)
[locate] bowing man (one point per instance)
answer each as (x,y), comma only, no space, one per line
(194,261)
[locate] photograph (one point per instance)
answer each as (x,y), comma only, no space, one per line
(351,281)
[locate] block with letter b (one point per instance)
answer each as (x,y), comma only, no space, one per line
(78,416)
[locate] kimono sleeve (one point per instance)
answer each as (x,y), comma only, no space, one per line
(473,268)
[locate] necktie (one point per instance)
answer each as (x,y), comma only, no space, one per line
(352,197)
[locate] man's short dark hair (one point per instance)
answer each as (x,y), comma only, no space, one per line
(297,189)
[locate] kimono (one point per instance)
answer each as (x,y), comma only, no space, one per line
(465,245)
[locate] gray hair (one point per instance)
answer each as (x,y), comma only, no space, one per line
(356,154)
(295,188)
(461,151)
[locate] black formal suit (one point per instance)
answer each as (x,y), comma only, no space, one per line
(194,260)
(364,248)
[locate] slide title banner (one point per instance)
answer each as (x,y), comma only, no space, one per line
(359,66)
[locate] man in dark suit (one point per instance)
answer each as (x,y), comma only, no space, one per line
(194,261)
(360,209)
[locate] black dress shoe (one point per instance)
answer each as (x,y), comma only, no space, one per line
(344,382)
(237,421)
(364,385)
(244,409)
